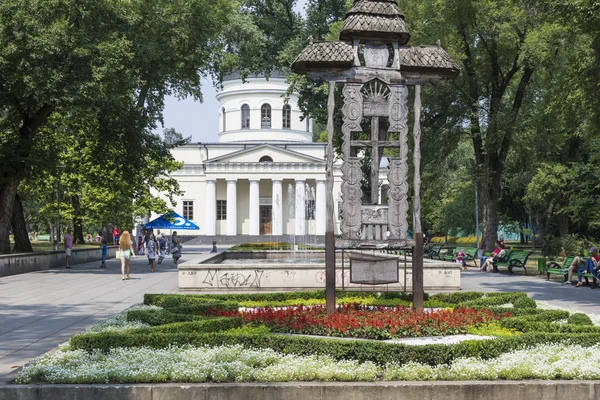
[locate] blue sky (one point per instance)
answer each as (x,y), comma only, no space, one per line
(191,118)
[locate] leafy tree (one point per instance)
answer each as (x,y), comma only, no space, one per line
(499,46)
(174,138)
(109,62)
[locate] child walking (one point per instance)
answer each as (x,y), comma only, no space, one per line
(104,254)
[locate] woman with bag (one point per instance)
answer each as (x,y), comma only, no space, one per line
(176,248)
(125,253)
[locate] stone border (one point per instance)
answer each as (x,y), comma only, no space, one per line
(14,264)
(469,390)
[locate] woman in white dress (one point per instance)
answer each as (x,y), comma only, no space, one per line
(126,249)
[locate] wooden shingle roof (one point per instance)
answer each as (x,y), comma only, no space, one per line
(333,54)
(428,59)
(375,20)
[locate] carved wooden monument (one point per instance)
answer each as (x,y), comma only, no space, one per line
(376,67)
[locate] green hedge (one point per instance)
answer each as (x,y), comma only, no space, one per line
(202,326)
(361,350)
(517,299)
(526,325)
(180,299)
(457,297)
(158,317)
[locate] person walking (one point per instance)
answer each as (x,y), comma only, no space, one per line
(68,247)
(115,235)
(176,247)
(162,247)
(104,254)
(152,247)
(126,249)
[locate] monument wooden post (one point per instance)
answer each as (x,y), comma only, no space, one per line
(418,291)
(329,227)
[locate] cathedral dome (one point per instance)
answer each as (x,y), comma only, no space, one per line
(255,110)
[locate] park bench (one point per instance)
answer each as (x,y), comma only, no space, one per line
(470,254)
(434,250)
(505,258)
(515,259)
(553,268)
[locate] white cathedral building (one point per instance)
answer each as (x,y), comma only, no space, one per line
(265,176)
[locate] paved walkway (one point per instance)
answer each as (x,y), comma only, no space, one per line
(581,298)
(41,310)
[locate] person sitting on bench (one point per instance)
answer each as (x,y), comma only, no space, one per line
(583,265)
(485,263)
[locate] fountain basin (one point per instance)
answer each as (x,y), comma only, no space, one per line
(301,270)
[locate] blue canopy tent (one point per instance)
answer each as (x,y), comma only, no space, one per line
(171,220)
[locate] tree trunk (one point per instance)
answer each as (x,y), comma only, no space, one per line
(77,220)
(10,184)
(537,240)
(7,199)
(563,225)
(19,228)
(490,194)
(51,231)
(107,234)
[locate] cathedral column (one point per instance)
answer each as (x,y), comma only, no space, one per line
(231,207)
(300,208)
(210,208)
(254,207)
(277,208)
(320,208)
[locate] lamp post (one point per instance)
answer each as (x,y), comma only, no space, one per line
(57,240)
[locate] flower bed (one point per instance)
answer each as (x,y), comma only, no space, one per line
(369,322)
(180,337)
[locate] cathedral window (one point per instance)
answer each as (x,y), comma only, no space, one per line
(309,209)
(224,123)
(221,210)
(265,159)
(188,210)
(245,116)
(287,117)
(265,116)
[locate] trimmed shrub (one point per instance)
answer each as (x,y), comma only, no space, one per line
(361,350)
(203,326)
(517,299)
(525,325)
(457,297)
(524,302)
(579,319)
(158,317)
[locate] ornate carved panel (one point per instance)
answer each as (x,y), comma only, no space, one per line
(398,110)
(398,199)
(398,173)
(351,198)
(375,215)
(352,112)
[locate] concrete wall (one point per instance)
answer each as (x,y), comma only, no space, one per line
(14,264)
(495,390)
(299,275)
